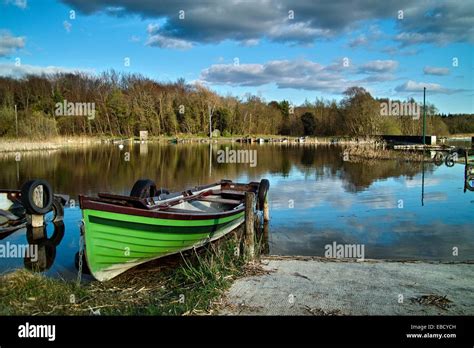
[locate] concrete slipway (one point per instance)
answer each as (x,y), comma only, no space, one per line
(317,286)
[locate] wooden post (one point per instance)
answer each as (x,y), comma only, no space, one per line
(36,220)
(249,239)
(37,233)
(265,245)
(266,210)
(258,224)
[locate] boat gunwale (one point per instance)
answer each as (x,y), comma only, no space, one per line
(160,214)
(101,204)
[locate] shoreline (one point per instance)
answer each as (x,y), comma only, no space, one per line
(58,143)
(272,285)
(23,145)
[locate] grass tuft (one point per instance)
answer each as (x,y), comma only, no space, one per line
(194,287)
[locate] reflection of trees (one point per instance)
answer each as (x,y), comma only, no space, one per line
(104,168)
(359,176)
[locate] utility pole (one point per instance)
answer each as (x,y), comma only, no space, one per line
(210,121)
(211,111)
(16,121)
(424,115)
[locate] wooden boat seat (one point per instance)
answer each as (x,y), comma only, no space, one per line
(232,194)
(219,200)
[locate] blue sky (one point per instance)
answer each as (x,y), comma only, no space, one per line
(278,49)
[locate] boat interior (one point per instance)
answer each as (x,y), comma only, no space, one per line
(207,199)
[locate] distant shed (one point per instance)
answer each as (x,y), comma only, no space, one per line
(143,135)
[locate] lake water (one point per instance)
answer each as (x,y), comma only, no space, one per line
(397,210)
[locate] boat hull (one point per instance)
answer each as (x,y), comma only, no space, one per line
(116,242)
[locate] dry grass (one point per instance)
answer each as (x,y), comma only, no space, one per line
(434,300)
(26,144)
(355,154)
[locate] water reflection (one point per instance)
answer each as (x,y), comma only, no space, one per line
(399,210)
(75,171)
(45,246)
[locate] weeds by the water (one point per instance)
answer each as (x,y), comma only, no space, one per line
(193,287)
(41,144)
(26,293)
(355,154)
(197,283)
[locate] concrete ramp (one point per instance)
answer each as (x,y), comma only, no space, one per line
(306,286)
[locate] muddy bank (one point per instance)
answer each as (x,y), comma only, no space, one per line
(305,286)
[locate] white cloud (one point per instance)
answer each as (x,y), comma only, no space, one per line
(394,50)
(167,42)
(379,66)
(432,70)
(250,42)
(361,40)
(12,70)
(9,43)
(299,74)
(411,38)
(300,32)
(413,86)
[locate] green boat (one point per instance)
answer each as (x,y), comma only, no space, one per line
(121,232)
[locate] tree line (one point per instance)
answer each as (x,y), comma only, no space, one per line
(459,123)
(124,104)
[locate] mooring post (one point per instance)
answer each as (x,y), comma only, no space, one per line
(249,239)
(265,245)
(266,210)
(37,232)
(258,224)
(36,220)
